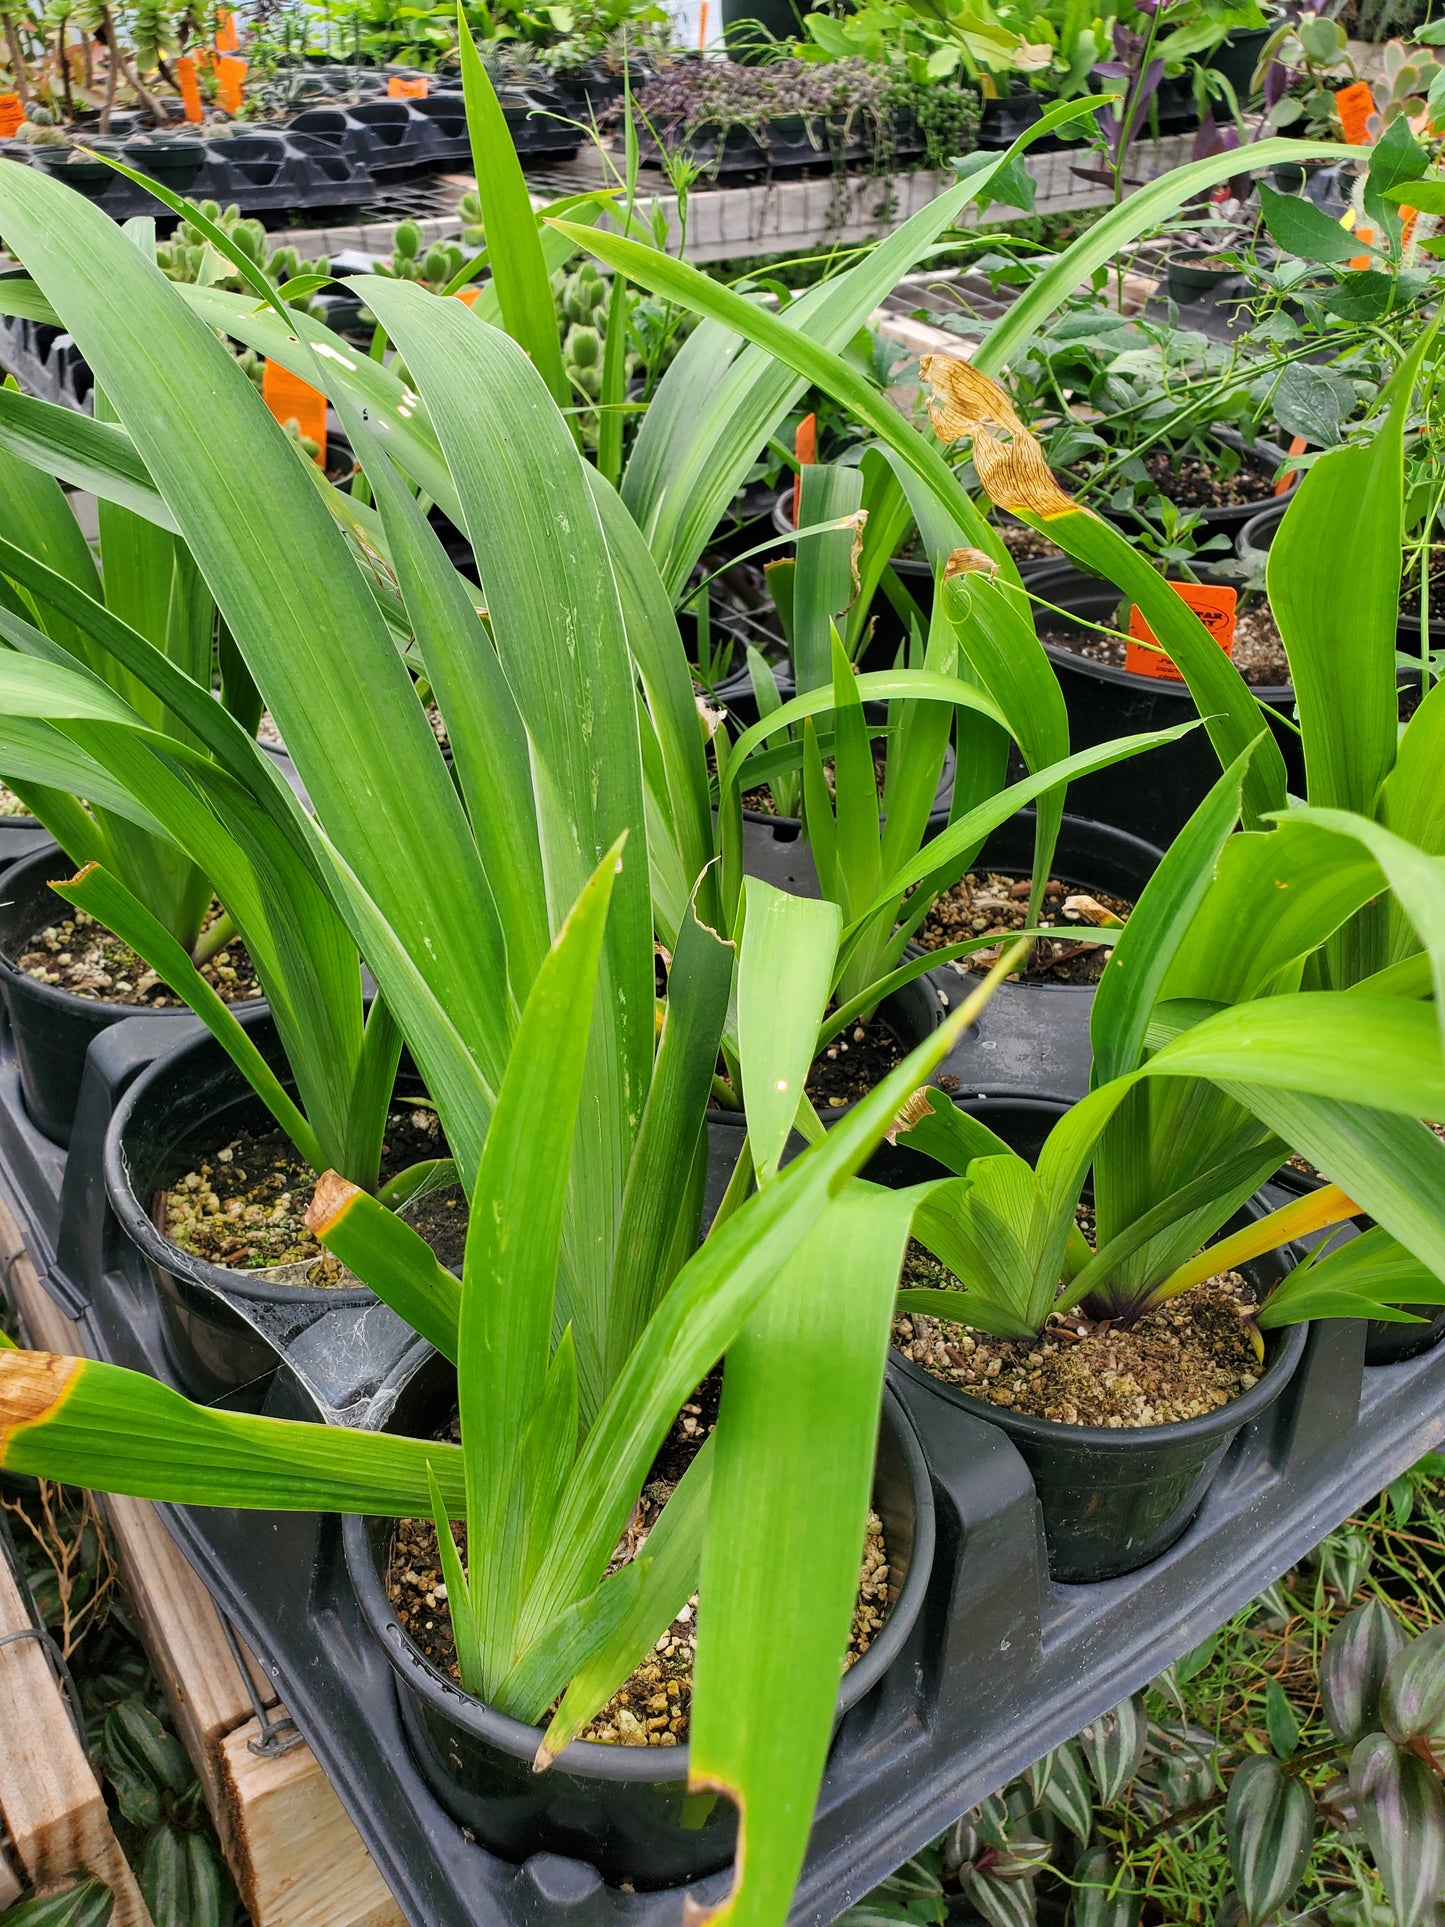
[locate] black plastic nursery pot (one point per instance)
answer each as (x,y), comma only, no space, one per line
(625,1809)
(1004,118)
(1255,540)
(1112,1501)
(1155,793)
(1222,518)
(52,1028)
(222,1326)
(1194,275)
(1001,1665)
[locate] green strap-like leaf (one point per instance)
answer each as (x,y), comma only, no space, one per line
(795,1445)
(112,1430)
(397,1262)
(785,972)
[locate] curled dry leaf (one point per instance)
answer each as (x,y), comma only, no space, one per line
(969,562)
(916,1107)
(328,1201)
(1010,462)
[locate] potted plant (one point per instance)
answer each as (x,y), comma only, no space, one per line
(1122,1434)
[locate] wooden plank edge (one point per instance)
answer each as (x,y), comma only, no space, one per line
(271,1812)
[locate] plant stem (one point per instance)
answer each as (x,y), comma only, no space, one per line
(213,940)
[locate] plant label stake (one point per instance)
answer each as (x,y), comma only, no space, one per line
(292,400)
(398,87)
(230,82)
(1213,604)
(11,115)
(227,38)
(190,87)
(1291,475)
(1354,105)
(805,448)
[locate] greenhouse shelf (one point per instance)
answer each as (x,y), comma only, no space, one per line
(1002,1665)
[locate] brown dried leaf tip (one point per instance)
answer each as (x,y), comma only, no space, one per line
(1010,462)
(32,1384)
(914,1109)
(332,1195)
(969,562)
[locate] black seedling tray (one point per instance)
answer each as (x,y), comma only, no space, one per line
(388,136)
(1002,1665)
(261,170)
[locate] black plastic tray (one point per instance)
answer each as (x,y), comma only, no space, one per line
(1003,1665)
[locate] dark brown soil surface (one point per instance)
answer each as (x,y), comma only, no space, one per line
(988,903)
(1027,545)
(245,1206)
(653,1707)
(1258,652)
(852,1064)
(761,798)
(80,955)
(1186,1357)
(1196,485)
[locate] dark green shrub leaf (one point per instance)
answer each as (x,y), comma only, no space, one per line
(1062,1786)
(1353,1665)
(166,1877)
(133,1730)
(1402,1815)
(1003,1903)
(1280,1721)
(1194,1663)
(1311,402)
(88,1905)
(1269,1822)
(1103,1896)
(1301,228)
(213,1894)
(1114,1745)
(1412,1699)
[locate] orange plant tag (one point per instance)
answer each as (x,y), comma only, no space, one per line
(468,295)
(805,447)
(1291,475)
(400,88)
(230,82)
(190,87)
(1214,607)
(227,39)
(292,400)
(1354,105)
(11,114)
(1367,235)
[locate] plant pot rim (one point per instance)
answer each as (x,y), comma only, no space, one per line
(152,1242)
(594,1758)
(1284,1348)
(55,996)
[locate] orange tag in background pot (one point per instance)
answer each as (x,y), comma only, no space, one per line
(230,82)
(1291,475)
(1354,105)
(467,296)
(805,448)
(190,87)
(1214,606)
(398,87)
(12,113)
(227,38)
(292,400)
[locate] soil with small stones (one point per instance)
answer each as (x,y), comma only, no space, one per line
(1187,1357)
(80,955)
(852,1064)
(1197,485)
(1027,545)
(653,1707)
(1258,652)
(245,1205)
(10,804)
(992,904)
(761,800)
